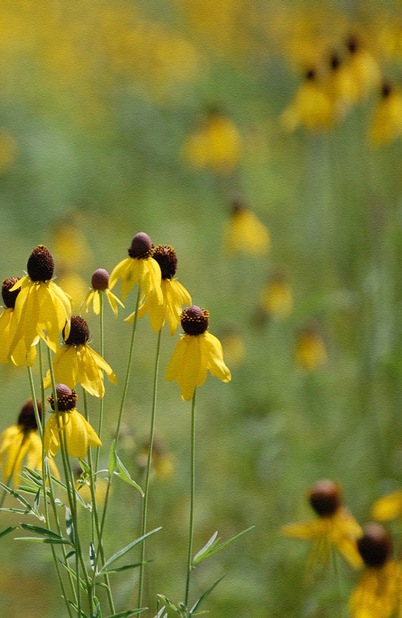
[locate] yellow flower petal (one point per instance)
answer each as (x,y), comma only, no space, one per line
(388,507)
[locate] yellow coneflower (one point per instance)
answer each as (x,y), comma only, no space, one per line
(378,592)
(276,297)
(68,425)
(386,121)
(362,66)
(216,145)
(311,352)
(42,309)
(196,353)
(244,232)
(77,363)
(139,267)
(174,294)
(100,285)
(311,108)
(388,507)
(22,441)
(162,461)
(7,323)
(335,527)
(233,346)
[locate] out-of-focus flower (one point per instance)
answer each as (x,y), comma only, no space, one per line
(162,461)
(312,106)
(362,66)
(42,309)
(233,347)
(196,353)
(311,352)
(335,527)
(388,507)
(216,145)
(386,121)
(244,232)
(73,285)
(22,441)
(378,592)
(82,484)
(342,86)
(276,297)
(139,267)
(77,363)
(174,294)
(70,245)
(100,285)
(68,425)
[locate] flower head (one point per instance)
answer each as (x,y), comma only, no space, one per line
(100,285)
(77,363)
(21,441)
(386,121)
(139,267)
(244,232)
(67,424)
(174,294)
(335,527)
(42,309)
(9,293)
(388,507)
(312,107)
(310,348)
(378,592)
(196,353)
(276,298)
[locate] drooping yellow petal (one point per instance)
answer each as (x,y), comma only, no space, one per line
(377,594)
(388,507)
(214,352)
(75,429)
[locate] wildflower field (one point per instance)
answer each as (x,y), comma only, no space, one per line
(200,333)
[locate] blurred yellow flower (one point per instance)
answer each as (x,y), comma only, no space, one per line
(311,352)
(378,592)
(162,461)
(139,267)
(362,66)
(233,346)
(174,294)
(42,309)
(68,425)
(386,120)
(334,528)
(216,145)
(70,245)
(388,506)
(22,441)
(100,285)
(73,285)
(342,86)
(244,232)
(276,297)
(77,363)
(312,107)
(196,353)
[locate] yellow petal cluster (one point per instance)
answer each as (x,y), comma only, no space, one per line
(16,445)
(72,427)
(191,360)
(388,507)
(94,297)
(80,364)
(245,233)
(144,271)
(339,531)
(378,593)
(42,310)
(175,296)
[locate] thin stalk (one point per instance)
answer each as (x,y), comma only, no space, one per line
(101,352)
(122,404)
(148,469)
(192,500)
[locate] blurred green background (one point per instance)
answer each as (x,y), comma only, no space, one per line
(156,116)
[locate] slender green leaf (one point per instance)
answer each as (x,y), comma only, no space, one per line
(214,549)
(40,530)
(203,597)
(198,557)
(129,612)
(7,530)
(125,549)
(124,474)
(160,614)
(16,495)
(41,539)
(125,567)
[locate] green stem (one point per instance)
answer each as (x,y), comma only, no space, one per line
(148,469)
(101,352)
(192,500)
(122,404)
